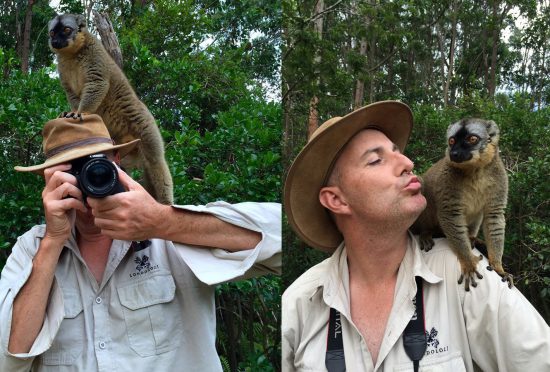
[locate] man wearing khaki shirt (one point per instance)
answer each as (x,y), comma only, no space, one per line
(352,192)
(88,291)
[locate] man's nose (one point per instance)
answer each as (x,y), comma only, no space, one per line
(406,164)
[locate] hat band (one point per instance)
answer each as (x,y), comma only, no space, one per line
(83,142)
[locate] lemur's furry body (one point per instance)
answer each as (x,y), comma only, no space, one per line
(95,84)
(466,190)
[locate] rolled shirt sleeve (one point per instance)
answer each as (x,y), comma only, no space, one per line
(213,266)
(15,274)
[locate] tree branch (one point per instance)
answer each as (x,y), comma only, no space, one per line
(327,10)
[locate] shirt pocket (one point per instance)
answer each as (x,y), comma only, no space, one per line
(67,345)
(152,315)
(450,362)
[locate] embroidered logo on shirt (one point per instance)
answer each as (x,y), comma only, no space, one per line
(143,266)
(433,343)
(143,263)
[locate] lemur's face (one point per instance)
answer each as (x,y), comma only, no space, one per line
(471,142)
(63,30)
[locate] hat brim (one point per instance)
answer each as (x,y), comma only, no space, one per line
(68,156)
(309,171)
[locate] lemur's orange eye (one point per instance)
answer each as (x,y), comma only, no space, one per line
(472,140)
(452,141)
(67,30)
(52,33)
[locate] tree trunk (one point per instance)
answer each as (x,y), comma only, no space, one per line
(443,62)
(287,126)
(372,60)
(26,45)
(542,81)
(313,118)
(18,31)
(108,36)
(451,54)
(409,76)
(288,144)
(228,308)
(318,27)
(359,95)
(495,41)
(484,55)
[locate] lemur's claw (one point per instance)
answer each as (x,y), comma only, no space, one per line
(72,115)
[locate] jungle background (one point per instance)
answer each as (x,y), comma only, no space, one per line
(209,71)
(448,60)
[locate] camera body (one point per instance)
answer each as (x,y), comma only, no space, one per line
(97,176)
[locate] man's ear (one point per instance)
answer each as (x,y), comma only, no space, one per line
(116,155)
(331,198)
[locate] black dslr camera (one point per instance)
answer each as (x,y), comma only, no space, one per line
(96,175)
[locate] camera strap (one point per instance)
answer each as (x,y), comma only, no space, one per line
(334,358)
(414,336)
(138,245)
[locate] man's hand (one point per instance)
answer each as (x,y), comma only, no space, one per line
(61,197)
(131,215)
(136,215)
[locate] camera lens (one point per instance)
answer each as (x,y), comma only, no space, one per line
(99,177)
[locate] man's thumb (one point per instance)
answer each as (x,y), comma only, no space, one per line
(127,182)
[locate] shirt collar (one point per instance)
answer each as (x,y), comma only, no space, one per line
(417,262)
(118,247)
(335,285)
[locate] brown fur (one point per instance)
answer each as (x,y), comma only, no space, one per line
(462,197)
(95,84)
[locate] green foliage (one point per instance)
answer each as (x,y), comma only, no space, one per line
(225,364)
(298,257)
(192,87)
(26,102)
(239,160)
(12,17)
(178,52)
(251,308)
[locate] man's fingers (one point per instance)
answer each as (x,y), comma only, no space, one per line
(56,178)
(127,181)
(104,223)
(66,196)
(66,190)
(105,205)
(72,203)
(49,172)
(115,229)
(60,207)
(111,202)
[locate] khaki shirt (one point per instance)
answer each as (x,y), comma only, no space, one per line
(490,328)
(154,309)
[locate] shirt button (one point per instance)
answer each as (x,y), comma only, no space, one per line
(102,345)
(98,300)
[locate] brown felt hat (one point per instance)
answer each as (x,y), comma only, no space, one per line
(66,139)
(311,168)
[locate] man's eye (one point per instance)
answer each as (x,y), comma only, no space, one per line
(374,162)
